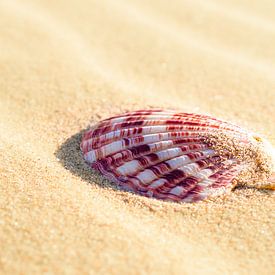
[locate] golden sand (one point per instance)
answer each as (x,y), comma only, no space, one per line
(64,64)
(247,151)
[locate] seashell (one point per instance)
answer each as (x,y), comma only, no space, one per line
(176,156)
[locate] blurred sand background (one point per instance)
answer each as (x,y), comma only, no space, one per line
(65,64)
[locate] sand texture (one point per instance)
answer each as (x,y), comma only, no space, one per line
(66,64)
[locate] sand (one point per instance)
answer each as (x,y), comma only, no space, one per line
(67,64)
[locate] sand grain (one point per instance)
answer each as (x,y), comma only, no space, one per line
(67,64)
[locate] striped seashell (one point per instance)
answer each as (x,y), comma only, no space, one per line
(175,156)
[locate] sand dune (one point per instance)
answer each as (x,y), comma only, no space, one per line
(65,64)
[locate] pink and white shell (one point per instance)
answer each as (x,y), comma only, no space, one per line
(163,154)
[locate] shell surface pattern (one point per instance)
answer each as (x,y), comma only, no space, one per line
(172,155)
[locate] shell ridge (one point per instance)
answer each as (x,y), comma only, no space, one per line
(163,155)
(169,120)
(125,143)
(196,175)
(155,117)
(129,154)
(175,176)
(219,186)
(142,164)
(147,175)
(158,113)
(109,137)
